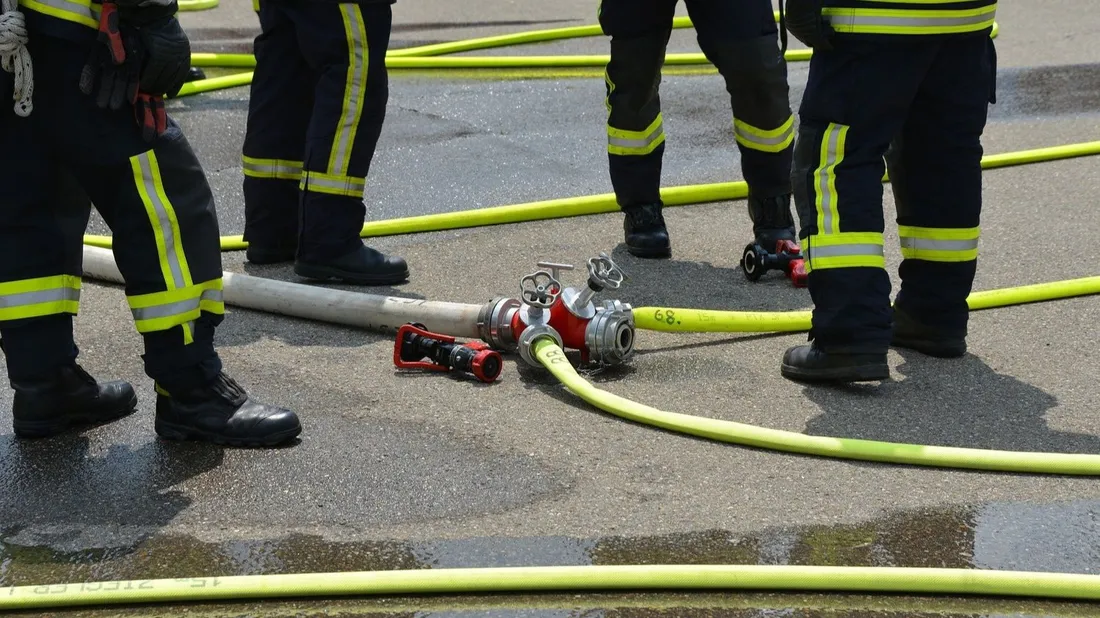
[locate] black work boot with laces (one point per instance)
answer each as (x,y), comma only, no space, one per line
(913,335)
(363,266)
(51,405)
(809,363)
(223,413)
(772,220)
(645,233)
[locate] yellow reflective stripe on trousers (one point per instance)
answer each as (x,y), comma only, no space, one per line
(774,140)
(910,21)
(343,142)
(272,168)
(844,250)
(832,154)
(162,216)
(32,298)
(317,182)
(164,310)
(610,89)
(623,142)
(83,12)
(939,244)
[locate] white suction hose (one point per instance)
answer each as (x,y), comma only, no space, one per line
(369,311)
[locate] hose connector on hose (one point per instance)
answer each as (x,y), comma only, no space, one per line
(528,337)
(609,338)
(494,323)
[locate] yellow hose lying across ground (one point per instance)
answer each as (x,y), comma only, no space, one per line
(426,56)
(554,359)
(686,320)
(895,580)
(197,5)
(605,202)
(227,61)
(519,38)
(215,83)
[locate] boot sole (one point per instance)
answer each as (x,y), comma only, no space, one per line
(861,373)
(931,348)
(45,429)
(325,273)
(171,431)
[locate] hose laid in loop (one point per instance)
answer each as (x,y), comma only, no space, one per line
(14,56)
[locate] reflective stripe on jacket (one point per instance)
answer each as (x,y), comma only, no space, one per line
(909,17)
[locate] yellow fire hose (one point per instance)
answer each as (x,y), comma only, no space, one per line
(426,57)
(554,359)
(605,203)
(895,580)
(686,320)
(197,5)
(636,577)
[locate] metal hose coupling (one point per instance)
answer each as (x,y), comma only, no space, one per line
(494,323)
(527,339)
(609,336)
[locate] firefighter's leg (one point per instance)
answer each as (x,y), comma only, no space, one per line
(741,40)
(639,32)
(43,216)
(166,243)
(935,168)
(346,45)
(161,212)
(857,97)
(275,139)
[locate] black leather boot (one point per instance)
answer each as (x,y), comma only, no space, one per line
(772,220)
(809,363)
(364,266)
(223,413)
(194,74)
(908,333)
(645,232)
(49,406)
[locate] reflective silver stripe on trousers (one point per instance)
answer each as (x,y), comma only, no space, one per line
(909,22)
(162,220)
(844,250)
(763,141)
(827,198)
(927,244)
(258,168)
(37,297)
(636,144)
(354,95)
(337,185)
(179,307)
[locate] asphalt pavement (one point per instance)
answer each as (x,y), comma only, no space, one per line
(419,471)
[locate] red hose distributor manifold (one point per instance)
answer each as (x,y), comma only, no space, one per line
(602,333)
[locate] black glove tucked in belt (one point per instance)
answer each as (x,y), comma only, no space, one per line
(141,54)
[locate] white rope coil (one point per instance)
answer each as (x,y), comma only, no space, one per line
(14,57)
